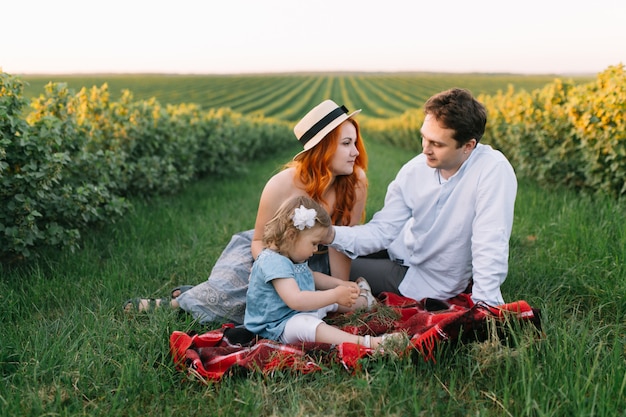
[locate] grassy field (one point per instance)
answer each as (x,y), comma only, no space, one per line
(289,96)
(68,350)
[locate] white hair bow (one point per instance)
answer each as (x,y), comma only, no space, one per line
(304,217)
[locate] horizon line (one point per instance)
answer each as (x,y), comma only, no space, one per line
(303,72)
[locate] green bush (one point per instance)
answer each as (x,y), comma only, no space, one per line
(565,134)
(533,130)
(35,201)
(73,160)
(402,131)
(598,112)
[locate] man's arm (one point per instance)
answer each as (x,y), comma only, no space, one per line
(381,230)
(491,233)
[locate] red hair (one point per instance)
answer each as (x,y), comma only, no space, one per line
(313,170)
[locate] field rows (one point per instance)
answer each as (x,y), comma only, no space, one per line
(289,96)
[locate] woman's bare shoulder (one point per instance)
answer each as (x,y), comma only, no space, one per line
(281,180)
(362,176)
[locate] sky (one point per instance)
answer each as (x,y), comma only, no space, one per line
(260,36)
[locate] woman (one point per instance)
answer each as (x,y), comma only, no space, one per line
(331,169)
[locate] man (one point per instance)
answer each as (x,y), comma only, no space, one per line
(447,218)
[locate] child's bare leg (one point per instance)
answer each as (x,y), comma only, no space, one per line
(325,333)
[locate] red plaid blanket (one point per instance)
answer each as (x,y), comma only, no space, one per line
(427,323)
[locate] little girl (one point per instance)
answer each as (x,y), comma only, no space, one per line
(286,301)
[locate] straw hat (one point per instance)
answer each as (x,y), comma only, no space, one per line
(318,122)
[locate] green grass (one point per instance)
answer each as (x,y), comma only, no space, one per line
(67,349)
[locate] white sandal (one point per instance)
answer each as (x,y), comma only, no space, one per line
(366,292)
(367,341)
(393,343)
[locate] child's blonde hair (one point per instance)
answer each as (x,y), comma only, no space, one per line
(281,231)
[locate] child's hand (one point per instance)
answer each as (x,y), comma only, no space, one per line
(346,295)
(351,284)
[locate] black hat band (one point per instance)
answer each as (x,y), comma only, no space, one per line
(322,123)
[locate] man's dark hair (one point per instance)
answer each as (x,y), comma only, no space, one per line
(458,110)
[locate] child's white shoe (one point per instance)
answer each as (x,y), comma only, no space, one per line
(366,292)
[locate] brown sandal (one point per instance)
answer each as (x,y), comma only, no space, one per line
(136,305)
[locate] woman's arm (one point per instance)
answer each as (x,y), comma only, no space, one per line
(339,263)
(278,189)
